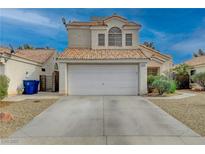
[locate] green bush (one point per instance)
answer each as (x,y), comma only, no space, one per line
(173,86)
(162,86)
(4,84)
(199,78)
(150,80)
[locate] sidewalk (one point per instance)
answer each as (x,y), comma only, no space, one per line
(40,95)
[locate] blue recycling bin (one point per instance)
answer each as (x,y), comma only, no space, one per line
(29,87)
(36,86)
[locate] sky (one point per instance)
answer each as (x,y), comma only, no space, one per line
(178,32)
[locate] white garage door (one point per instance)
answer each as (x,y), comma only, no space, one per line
(103,79)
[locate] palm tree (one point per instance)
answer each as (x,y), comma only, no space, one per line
(199,53)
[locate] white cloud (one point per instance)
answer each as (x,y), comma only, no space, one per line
(192,43)
(158,34)
(27,17)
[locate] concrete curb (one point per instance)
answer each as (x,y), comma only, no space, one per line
(184,95)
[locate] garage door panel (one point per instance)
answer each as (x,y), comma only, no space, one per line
(1,69)
(103,79)
(117,91)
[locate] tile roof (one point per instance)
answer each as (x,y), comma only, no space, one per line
(101,54)
(102,22)
(196,61)
(155,53)
(36,55)
(4,50)
(92,23)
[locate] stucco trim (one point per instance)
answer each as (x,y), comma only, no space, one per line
(158,60)
(197,66)
(103,61)
(20,59)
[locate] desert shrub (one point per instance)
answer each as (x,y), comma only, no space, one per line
(4,84)
(173,86)
(199,78)
(150,80)
(162,85)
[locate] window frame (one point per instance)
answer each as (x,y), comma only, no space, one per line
(115,37)
(128,40)
(100,39)
(153,71)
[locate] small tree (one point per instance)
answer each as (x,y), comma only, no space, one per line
(4,84)
(149,44)
(181,76)
(199,78)
(173,86)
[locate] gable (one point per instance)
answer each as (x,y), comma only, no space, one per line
(116,17)
(114,23)
(153,63)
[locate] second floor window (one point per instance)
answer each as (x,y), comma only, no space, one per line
(115,37)
(128,39)
(101,39)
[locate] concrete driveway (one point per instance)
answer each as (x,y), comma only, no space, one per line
(105,120)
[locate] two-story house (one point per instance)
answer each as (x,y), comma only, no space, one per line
(104,57)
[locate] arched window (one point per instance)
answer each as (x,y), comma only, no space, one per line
(115,37)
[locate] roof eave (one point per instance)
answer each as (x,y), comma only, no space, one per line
(68,60)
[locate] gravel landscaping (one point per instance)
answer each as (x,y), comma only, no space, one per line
(190,111)
(23,112)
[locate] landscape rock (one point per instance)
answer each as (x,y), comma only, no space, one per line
(6,117)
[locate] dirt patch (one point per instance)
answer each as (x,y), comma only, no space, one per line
(4,104)
(190,111)
(23,112)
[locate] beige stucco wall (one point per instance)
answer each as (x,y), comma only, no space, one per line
(49,65)
(110,24)
(198,69)
(79,37)
(165,67)
(63,76)
(1,69)
(18,70)
(87,37)
(142,78)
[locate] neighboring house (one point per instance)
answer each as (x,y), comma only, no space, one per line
(26,65)
(196,65)
(104,57)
